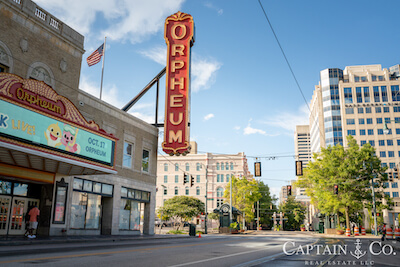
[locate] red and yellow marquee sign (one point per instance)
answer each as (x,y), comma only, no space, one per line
(179,36)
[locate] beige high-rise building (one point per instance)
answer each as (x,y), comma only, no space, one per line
(361,101)
(210,172)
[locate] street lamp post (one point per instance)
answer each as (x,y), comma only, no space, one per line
(205,218)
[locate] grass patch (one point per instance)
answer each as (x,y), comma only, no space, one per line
(176,232)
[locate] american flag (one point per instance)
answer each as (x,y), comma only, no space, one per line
(95,57)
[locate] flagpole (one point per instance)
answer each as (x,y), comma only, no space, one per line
(102,68)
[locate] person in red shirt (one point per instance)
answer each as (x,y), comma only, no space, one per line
(33,221)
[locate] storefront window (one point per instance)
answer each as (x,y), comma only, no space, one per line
(20,189)
(5,187)
(107,189)
(78,210)
(93,212)
(96,187)
(129,216)
(78,184)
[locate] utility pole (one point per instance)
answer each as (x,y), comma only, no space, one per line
(373,202)
(205,218)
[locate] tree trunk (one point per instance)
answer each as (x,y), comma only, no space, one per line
(346,211)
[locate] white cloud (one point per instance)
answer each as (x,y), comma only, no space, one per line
(208,116)
(204,71)
(237,128)
(126,20)
(249,130)
(288,121)
(220,11)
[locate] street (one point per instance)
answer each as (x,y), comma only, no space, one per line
(262,248)
(212,250)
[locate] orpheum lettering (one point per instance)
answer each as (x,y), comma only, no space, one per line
(179,36)
(34,99)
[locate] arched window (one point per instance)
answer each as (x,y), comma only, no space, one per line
(220,192)
(176,190)
(222,166)
(6,59)
(217,166)
(227,166)
(198,190)
(227,177)
(231,166)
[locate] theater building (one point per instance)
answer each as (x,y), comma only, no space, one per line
(90,167)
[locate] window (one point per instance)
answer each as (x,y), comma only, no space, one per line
(220,192)
(360,110)
(198,166)
(395,194)
(382,154)
(394,185)
(369,120)
(227,166)
(187,167)
(176,179)
(129,215)
(386,185)
(186,190)
(358,94)
(222,178)
(218,166)
(378,110)
(350,121)
(368,110)
(367,99)
(351,132)
(227,178)
(165,167)
(197,178)
(384,94)
(391,154)
(379,121)
(371,142)
(165,179)
(218,178)
(396,109)
(197,191)
(145,160)
(176,167)
(363,142)
(389,142)
(176,190)
(231,166)
(222,166)
(386,109)
(362,132)
(85,210)
(361,121)
(357,79)
(387,193)
(381,142)
(348,97)
(349,111)
(127,158)
(376,94)
(395,92)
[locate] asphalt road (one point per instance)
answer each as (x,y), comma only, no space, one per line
(276,249)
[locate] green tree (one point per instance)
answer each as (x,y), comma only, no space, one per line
(294,211)
(181,209)
(352,169)
(245,193)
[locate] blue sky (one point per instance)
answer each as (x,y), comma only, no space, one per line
(244,97)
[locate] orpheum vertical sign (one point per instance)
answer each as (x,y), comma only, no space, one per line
(179,36)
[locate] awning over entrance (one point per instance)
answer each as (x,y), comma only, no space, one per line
(32,159)
(44,131)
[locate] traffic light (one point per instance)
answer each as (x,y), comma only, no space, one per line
(390,176)
(257,169)
(336,189)
(185,178)
(191,180)
(299,168)
(289,190)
